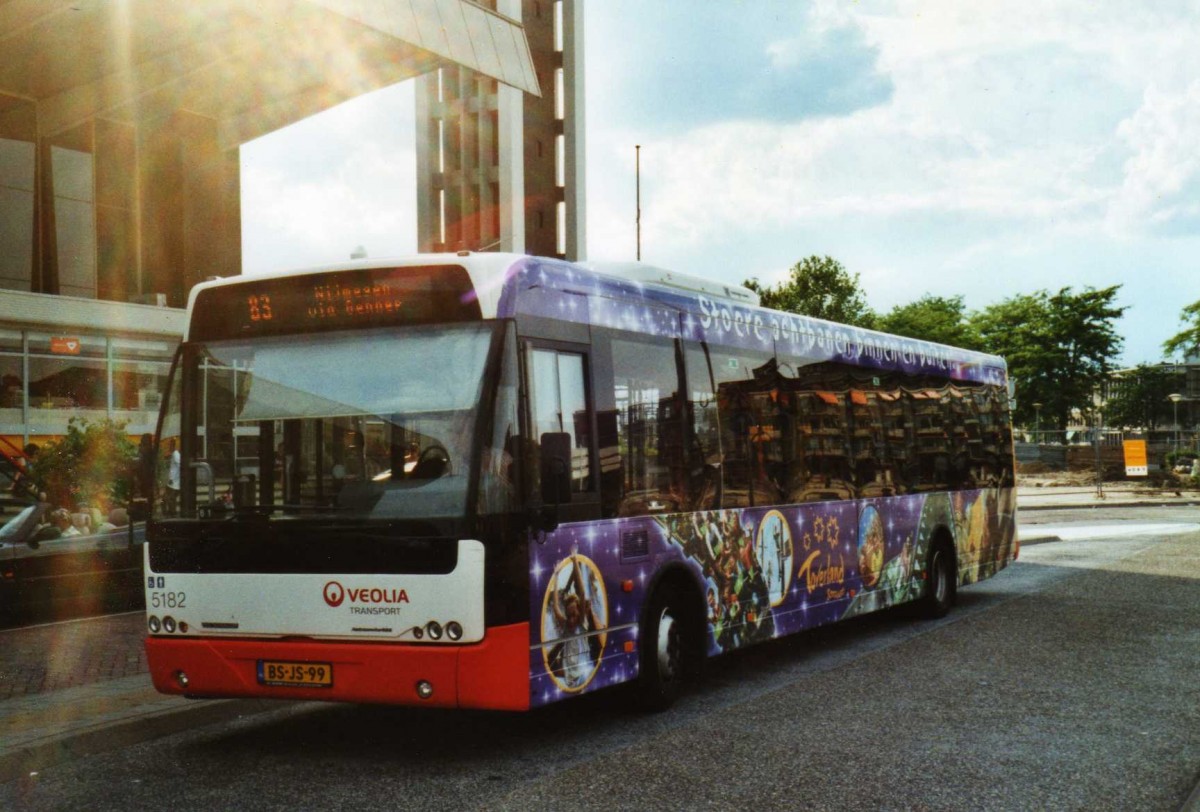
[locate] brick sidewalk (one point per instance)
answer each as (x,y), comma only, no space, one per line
(56,656)
(82,686)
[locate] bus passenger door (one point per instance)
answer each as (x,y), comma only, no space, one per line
(560,412)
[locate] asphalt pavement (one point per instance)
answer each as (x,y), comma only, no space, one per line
(79,687)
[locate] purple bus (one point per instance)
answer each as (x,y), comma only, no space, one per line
(497,481)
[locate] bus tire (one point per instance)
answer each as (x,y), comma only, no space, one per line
(665,654)
(940,572)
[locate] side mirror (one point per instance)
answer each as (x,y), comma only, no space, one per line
(556,468)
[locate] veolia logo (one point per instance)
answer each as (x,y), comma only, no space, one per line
(334,594)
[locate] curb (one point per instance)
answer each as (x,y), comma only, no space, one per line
(141,726)
(1106,504)
(1033,541)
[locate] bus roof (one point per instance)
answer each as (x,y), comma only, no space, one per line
(667,304)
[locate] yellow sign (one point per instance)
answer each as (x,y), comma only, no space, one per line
(1135,458)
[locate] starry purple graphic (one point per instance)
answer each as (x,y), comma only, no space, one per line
(555,289)
(601,542)
(825,586)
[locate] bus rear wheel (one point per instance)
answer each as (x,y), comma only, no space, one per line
(939,597)
(665,650)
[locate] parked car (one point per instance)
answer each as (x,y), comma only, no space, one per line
(44,575)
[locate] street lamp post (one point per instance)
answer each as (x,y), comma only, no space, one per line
(1098,401)
(1175,398)
(637,171)
(1037,423)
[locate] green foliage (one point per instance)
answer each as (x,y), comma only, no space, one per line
(1182,455)
(93,464)
(1139,398)
(820,287)
(1188,340)
(932,318)
(1059,348)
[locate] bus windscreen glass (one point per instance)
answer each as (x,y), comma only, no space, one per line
(377,423)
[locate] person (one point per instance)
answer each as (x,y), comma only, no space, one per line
(174,467)
(85,517)
(117,518)
(61,519)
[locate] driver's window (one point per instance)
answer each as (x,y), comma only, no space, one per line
(559,402)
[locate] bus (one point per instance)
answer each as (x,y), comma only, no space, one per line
(497,481)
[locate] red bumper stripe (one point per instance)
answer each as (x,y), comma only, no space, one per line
(492,674)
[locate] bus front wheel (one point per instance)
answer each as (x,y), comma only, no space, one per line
(664,651)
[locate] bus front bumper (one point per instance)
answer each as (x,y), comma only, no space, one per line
(492,674)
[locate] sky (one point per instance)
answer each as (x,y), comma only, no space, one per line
(984,149)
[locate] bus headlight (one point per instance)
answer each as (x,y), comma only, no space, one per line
(434,630)
(169,624)
(454,630)
(154,624)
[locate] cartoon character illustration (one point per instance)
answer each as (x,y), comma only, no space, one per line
(726,551)
(870,547)
(574,617)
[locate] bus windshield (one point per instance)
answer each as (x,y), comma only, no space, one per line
(372,423)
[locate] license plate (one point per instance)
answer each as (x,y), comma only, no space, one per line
(295,675)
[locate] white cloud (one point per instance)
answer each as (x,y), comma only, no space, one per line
(1000,113)
(1162,175)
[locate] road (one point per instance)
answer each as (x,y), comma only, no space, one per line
(1067,682)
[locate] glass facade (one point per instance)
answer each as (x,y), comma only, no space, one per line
(47,379)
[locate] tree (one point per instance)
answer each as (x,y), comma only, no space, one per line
(820,287)
(1139,397)
(92,464)
(932,318)
(1059,348)
(1187,341)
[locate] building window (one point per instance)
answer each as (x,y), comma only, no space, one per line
(558,25)
(560,102)
(139,378)
(560,215)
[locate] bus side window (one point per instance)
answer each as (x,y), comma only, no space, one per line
(703,438)
(649,427)
(558,400)
(749,438)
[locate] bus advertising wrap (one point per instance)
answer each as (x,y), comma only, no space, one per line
(767,572)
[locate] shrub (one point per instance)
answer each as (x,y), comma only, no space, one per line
(92,464)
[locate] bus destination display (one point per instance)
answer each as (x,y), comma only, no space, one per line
(335,300)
